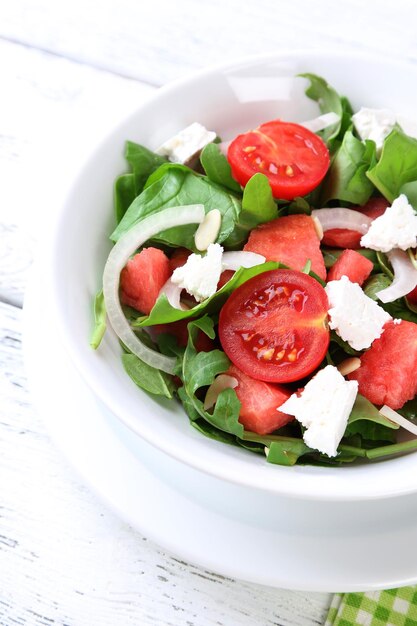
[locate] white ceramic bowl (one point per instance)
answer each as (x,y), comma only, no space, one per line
(228,99)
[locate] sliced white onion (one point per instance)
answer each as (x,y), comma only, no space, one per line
(395,417)
(124,248)
(405,277)
(342,218)
(235,260)
(173,294)
(321,122)
(222,382)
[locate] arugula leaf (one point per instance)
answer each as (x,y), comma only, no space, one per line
(212,432)
(299,206)
(346,179)
(199,369)
(328,100)
(163,312)
(100,317)
(367,421)
(258,204)
(173,185)
(124,194)
(397,165)
(217,167)
(148,378)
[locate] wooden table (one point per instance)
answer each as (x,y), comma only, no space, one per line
(68,71)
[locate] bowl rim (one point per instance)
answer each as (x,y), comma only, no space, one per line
(48,251)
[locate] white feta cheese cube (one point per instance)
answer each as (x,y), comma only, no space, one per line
(354,316)
(187,143)
(200,275)
(323,408)
(396,228)
(375,124)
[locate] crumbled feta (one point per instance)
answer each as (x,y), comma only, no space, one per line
(375,124)
(323,408)
(200,275)
(354,316)
(397,321)
(396,228)
(187,143)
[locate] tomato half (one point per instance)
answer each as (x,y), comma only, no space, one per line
(294,159)
(274,326)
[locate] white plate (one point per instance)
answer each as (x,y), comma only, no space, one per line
(238,532)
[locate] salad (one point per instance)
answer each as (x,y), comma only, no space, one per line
(269,284)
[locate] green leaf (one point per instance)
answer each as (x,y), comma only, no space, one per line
(367,421)
(208,430)
(334,338)
(142,162)
(99,320)
(346,179)
(328,100)
(217,168)
(164,313)
(409,410)
(174,185)
(258,204)
(286,452)
(410,190)
(399,308)
(299,206)
(124,194)
(199,369)
(397,165)
(148,378)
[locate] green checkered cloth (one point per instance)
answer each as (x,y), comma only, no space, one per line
(393,607)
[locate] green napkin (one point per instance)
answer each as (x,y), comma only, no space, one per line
(393,607)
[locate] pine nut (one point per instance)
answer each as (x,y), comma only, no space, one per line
(208,230)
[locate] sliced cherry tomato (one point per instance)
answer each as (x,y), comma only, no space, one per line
(274,326)
(294,159)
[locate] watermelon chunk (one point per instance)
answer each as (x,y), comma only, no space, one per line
(388,371)
(345,238)
(179,258)
(353,265)
(259,401)
(142,279)
(290,240)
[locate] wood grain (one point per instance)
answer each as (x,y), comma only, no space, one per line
(66,559)
(158,41)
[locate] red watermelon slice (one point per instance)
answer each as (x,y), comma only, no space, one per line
(353,265)
(388,371)
(260,401)
(291,240)
(142,279)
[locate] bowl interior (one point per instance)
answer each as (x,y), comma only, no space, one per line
(229,100)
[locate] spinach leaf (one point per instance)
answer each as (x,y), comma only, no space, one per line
(367,421)
(258,204)
(328,100)
(346,179)
(217,168)
(410,190)
(163,312)
(142,162)
(212,432)
(172,185)
(397,165)
(148,378)
(124,194)
(299,206)
(286,452)
(409,410)
(99,320)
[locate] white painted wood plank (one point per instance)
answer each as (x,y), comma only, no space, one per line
(52,113)
(159,41)
(66,559)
